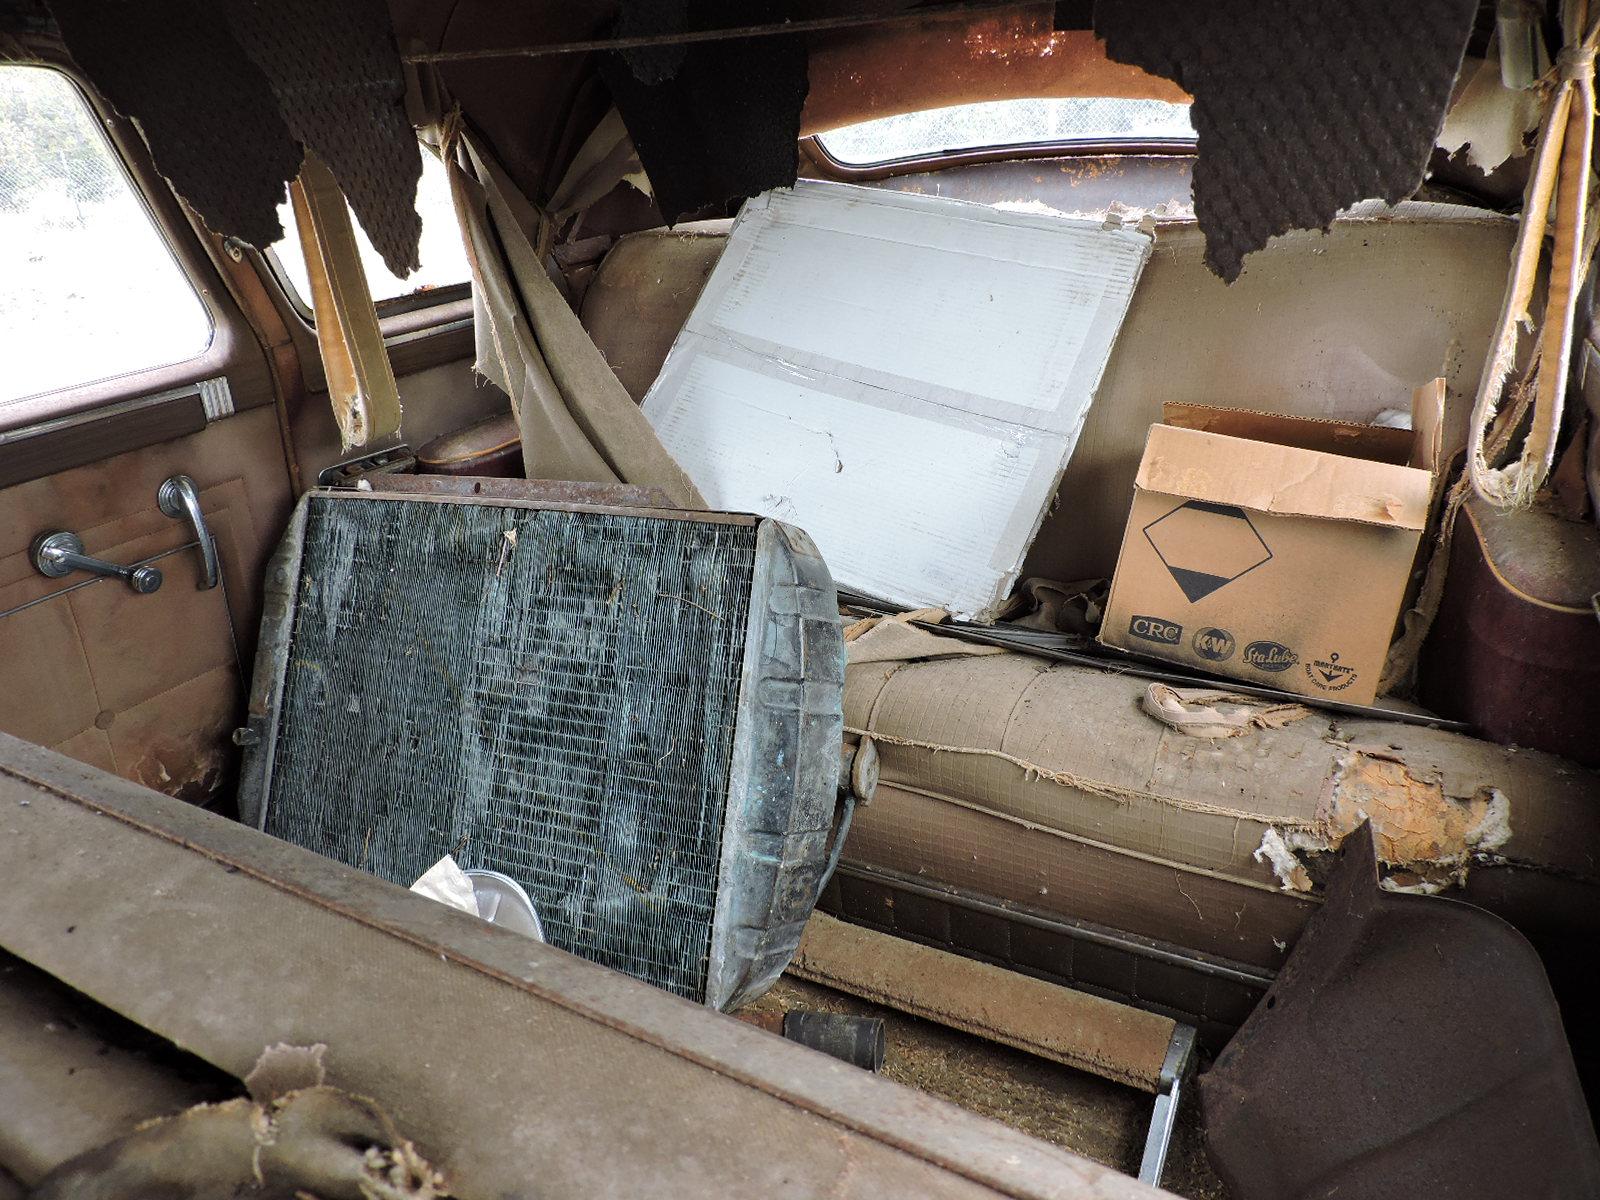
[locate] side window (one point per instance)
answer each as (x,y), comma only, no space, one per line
(444,257)
(91,290)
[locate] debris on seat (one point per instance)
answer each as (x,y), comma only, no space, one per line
(1045,784)
(1409,1047)
(1208,713)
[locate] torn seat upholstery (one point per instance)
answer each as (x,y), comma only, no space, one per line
(1047,789)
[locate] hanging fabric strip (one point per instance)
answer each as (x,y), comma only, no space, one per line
(1558,188)
(577,420)
(361,386)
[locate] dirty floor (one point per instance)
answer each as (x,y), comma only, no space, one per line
(1083,1113)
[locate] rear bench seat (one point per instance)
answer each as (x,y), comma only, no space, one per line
(1340,325)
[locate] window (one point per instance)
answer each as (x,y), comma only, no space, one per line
(999,123)
(444,257)
(89,289)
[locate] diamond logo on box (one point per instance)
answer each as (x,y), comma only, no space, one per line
(1206,546)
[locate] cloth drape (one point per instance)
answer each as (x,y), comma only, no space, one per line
(576,419)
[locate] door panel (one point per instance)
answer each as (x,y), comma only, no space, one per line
(149,686)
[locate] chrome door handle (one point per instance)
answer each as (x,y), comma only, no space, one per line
(61,553)
(179,498)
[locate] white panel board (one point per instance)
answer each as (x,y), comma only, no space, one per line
(901,376)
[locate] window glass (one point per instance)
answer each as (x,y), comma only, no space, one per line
(444,258)
(999,123)
(89,289)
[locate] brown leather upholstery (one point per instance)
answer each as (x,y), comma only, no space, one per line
(1516,646)
(147,686)
(491,447)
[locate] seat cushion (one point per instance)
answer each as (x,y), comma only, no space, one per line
(641,296)
(1046,784)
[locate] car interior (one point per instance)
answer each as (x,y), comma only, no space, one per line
(452,519)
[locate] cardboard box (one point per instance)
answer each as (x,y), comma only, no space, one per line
(1275,549)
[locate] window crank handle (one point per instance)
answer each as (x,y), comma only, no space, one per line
(61,553)
(179,498)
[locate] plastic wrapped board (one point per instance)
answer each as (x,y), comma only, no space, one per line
(902,376)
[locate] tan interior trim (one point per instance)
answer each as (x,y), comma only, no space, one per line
(361,385)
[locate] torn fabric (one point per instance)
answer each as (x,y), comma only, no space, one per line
(712,121)
(1301,109)
(1209,713)
(895,639)
(317,1143)
(205,108)
(283,1068)
(1426,839)
(335,72)
(577,420)
(229,95)
(605,159)
(1558,194)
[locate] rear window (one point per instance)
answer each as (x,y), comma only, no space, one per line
(1005,123)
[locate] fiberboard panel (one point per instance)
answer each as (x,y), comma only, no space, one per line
(902,376)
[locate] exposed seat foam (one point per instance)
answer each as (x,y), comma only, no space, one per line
(1044,785)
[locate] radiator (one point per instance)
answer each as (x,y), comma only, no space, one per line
(634,713)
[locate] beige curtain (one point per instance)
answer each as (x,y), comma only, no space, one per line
(577,420)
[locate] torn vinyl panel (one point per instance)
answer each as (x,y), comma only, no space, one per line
(1410,1046)
(632,713)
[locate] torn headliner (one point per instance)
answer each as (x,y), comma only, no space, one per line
(535,112)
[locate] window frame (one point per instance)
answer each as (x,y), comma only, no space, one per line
(75,404)
(829,167)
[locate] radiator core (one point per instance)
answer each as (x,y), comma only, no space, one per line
(604,705)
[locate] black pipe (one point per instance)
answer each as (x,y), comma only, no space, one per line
(858,1041)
